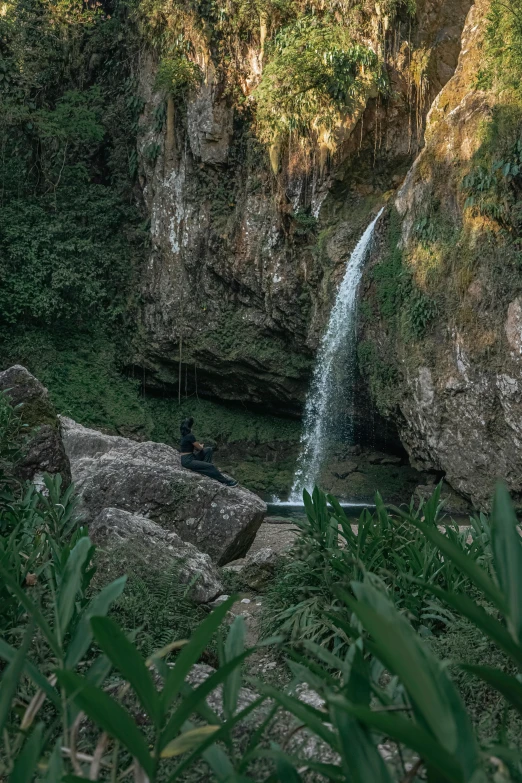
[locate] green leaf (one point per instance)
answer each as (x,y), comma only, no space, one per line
(466,563)
(190,654)
(286,772)
(313,719)
(433,695)
(71,583)
(8,653)
(220,735)
(31,609)
(234,646)
(54,770)
(361,759)
(97,607)
(25,766)
(504,683)
(108,714)
(414,737)
(126,658)
(507,555)
(10,678)
(482,620)
(189,703)
(187,741)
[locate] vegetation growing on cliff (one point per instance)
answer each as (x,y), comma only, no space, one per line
(70,234)
(316,73)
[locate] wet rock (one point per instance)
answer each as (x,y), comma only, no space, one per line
(148,479)
(391,460)
(132,544)
(43,452)
(219,600)
(376,458)
(259,569)
(345,468)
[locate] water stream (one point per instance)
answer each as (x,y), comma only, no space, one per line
(328,418)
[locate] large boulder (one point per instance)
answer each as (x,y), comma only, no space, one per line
(43,450)
(132,544)
(148,479)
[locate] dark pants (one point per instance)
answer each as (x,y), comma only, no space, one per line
(201,462)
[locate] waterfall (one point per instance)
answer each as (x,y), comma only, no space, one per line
(328,415)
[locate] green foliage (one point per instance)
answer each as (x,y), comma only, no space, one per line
(382,375)
(178,75)
(57,673)
(329,555)
(70,235)
(493,187)
(305,223)
(503,47)
(429,717)
(316,73)
(400,300)
(158,608)
(389,275)
(422,310)
(11,428)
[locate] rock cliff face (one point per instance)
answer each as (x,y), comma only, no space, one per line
(443,354)
(247,247)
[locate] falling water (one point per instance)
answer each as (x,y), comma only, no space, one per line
(328,415)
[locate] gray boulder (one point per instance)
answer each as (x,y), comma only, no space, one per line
(132,544)
(42,450)
(258,569)
(148,479)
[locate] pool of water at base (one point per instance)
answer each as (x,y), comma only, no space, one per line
(281,510)
(288,509)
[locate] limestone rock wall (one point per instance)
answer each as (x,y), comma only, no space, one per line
(247,243)
(453,387)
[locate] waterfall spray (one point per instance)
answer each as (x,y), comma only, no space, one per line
(329,405)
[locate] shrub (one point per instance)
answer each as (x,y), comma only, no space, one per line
(315,74)
(329,555)
(420,709)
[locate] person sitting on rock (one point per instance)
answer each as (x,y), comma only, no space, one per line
(198,457)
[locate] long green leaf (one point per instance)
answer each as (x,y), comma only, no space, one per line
(10,678)
(435,699)
(25,766)
(54,770)
(414,737)
(189,703)
(234,646)
(466,563)
(490,626)
(361,759)
(507,554)
(504,683)
(190,654)
(71,582)
(108,714)
(8,653)
(126,658)
(97,607)
(313,719)
(31,609)
(218,736)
